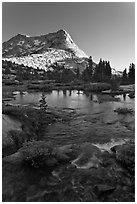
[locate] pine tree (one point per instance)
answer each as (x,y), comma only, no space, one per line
(77,73)
(90,68)
(43,103)
(108,70)
(124,77)
(102,71)
(87,74)
(42,117)
(131,74)
(98,71)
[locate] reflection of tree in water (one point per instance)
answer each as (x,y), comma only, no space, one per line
(21,94)
(58,92)
(124,97)
(70,92)
(78,92)
(64,92)
(91,97)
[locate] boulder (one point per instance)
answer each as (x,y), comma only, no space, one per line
(14,158)
(125,154)
(9,124)
(103,189)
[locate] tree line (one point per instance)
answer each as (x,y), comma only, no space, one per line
(129,77)
(101,72)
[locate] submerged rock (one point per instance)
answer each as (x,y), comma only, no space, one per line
(88,158)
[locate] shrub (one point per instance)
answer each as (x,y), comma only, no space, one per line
(43,103)
(115,84)
(97,87)
(37,153)
(40,121)
(14,111)
(18,138)
(105,98)
(124,110)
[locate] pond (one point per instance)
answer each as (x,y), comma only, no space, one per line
(94,121)
(83,102)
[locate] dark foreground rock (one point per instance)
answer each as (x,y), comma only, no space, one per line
(81,173)
(39,154)
(125,155)
(102,190)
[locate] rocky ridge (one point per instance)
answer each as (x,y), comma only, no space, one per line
(41,51)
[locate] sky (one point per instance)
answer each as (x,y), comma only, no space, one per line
(101,29)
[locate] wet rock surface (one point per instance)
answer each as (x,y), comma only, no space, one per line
(88,158)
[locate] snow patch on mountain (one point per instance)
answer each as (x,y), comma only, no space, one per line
(115,72)
(37,42)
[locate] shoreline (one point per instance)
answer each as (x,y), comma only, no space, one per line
(7,90)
